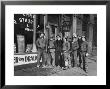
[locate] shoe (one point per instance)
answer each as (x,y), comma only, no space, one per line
(50,66)
(43,66)
(55,68)
(86,71)
(62,68)
(58,68)
(38,66)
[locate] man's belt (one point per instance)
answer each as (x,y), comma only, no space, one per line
(41,48)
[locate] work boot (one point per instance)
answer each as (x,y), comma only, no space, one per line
(43,66)
(38,66)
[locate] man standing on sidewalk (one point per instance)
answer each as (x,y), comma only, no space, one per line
(75,47)
(79,49)
(66,53)
(58,50)
(41,45)
(52,51)
(84,50)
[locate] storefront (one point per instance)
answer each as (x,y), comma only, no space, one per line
(25,34)
(27,28)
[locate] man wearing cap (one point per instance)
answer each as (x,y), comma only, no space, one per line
(41,45)
(84,50)
(75,47)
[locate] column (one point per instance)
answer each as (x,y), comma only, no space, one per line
(45,24)
(74,25)
(91,32)
(46,30)
(79,26)
(34,35)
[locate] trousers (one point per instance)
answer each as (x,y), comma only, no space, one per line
(84,61)
(41,53)
(59,60)
(67,58)
(74,58)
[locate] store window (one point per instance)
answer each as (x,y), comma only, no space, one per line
(23,32)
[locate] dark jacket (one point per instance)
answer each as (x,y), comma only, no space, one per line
(58,45)
(75,46)
(79,43)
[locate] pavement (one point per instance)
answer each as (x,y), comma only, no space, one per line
(32,70)
(75,71)
(71,72)
(92,66)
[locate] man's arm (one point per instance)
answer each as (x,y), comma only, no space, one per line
(68,46)
(87,49)
(77,46)
(87,45)
(37,43)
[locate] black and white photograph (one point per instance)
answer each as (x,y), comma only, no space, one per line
(55,44)
(58,44)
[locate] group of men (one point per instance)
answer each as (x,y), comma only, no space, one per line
(67,53)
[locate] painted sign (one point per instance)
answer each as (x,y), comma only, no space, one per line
(24,59)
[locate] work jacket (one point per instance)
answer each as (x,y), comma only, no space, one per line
(66,46)
(75,46)
(41,43)
(84,46)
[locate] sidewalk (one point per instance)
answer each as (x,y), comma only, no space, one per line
(92,67)
(76,71)
(71,72)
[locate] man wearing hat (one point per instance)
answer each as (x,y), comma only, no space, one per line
(84,50)
(75,47)
(41,45)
